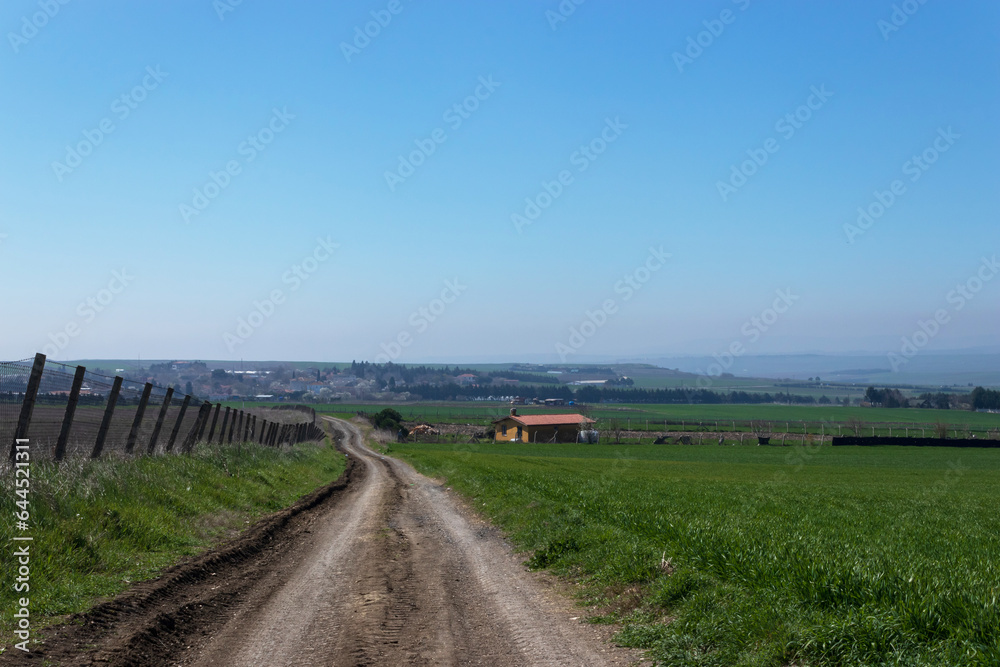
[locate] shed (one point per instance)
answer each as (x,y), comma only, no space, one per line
(539,428)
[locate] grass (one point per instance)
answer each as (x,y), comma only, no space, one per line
(777,556)
(99,526)
(830,420)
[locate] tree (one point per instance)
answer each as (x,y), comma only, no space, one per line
(388,419)
(873,396)
(984,399)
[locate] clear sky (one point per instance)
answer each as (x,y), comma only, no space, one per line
(469,180)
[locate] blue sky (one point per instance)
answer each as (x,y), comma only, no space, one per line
(202,84)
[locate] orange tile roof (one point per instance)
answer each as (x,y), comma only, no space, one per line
(549,420)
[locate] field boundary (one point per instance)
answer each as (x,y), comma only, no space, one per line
(850,441)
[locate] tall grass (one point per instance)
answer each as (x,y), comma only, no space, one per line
(757,556)
(99,526)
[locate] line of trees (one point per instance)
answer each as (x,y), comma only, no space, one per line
(985,399)
(390,374)
(978,399)
(594,394)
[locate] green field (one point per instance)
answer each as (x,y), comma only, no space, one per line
(657,418)
(777,556)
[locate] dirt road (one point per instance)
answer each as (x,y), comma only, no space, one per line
(384,568)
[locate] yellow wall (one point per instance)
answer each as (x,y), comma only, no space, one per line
(567,432)
(511,430)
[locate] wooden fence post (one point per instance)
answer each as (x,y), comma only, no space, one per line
(253,428)
(177,424)
(133,434)
(74,397)
(232,425)
(151,447)
(28,404)
(199,424)
(215,418)
(204,422)
(246,429)
(262,431)
(225,421)
(109,411)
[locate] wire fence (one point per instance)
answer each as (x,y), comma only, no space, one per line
(68,411)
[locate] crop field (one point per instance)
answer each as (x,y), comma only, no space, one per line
(652,418)
(753,555)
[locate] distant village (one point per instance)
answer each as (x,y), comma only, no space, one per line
(359,381)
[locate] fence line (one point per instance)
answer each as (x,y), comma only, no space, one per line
(76,412)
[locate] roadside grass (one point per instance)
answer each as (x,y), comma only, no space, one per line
(99,526)
(757,556)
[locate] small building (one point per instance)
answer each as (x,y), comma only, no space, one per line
(539,428)
(555,401)
(466,379)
